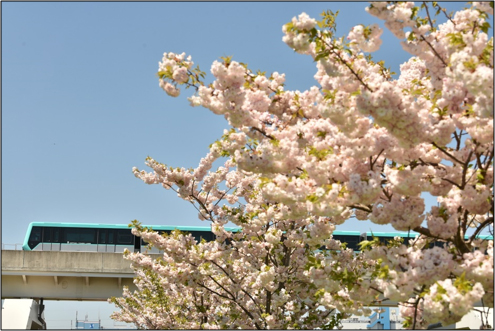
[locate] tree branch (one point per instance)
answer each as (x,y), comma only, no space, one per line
(464,170)
(332,50)
(434,51)
(428,13)
(480,227)
(234,301)
(451,182)
(447,153)
(262,132)
(368,210)
(373,163)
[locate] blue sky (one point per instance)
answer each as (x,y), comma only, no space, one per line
(81,104)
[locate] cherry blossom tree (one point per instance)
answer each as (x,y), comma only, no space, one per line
(361,145)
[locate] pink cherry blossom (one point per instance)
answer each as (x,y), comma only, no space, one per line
(360,145)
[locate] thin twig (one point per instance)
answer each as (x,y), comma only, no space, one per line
(332,50)
(428,13)
(373,163)
(222,196)
(434,51)
(458,140)
(416,307)
(464,171)
(263,133)
(451,182)
(447,153)
(480,227)
(361,208)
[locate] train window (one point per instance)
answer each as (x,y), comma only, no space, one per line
(196,235)
(102,237)
(124,237)
(206,235)
(47,235)
(352,242)
(111,239)
(34,237)
(56,235)
(80,235)
(35,234)
(161,232)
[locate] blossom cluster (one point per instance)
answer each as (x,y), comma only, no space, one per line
(175,67)
(449,303)
(366,39)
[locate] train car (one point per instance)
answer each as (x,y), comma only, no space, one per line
(353,238)
(384,237)
(91,237)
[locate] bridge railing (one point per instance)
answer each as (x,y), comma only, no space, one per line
(12,247)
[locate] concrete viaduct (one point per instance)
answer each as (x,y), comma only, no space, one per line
(64,275)
(84,276)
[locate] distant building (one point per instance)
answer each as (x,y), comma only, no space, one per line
(87,325)
(96,325)
(27,314)
(473,320)
(355,323)
(383,318)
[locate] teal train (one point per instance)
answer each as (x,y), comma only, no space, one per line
(115,238)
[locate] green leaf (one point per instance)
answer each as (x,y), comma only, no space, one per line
(304,175)
(384,272)
(462,284)
(411,37)
(264,181)
(161,74)
(367,245)
(480,177)
(455,39)
(320,154)
(226,60)
(312,198)
(470,65)
(321,55)
(414,11)
(485,26)
(329,95)
(289,27)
